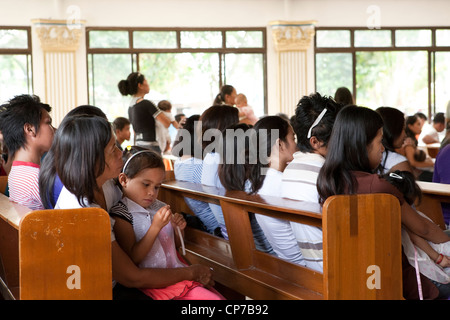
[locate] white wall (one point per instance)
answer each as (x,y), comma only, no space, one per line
(222,13)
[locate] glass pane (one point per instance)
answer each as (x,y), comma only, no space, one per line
(108,39)
(155,39)
(443,37)
(413,38)
(333,38)
(245,72)
(244,39)
(373,38)
(14,79)
(201,39)
(188,80)
(396,79)
(442,81)
(104,72)
(13,39)
(333,70)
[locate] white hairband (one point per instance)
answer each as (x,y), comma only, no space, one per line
(315,123)
(132,156)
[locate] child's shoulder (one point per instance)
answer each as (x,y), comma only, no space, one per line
(120,210)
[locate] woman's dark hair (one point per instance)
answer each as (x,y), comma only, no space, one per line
(308,109)
(220,98)
(137,159)
(343,96)
(217,117)
(354,129)
(47,173)
(256,151)
(77,156)
(410,120)
(187,130)
(19,111)
(406,183)
(394,124)
(130,85)
(236,144)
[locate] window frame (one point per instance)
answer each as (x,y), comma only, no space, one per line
(20,51)
(431,50)
(134,52)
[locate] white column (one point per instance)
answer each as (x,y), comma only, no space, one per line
(292,39)
(59,41)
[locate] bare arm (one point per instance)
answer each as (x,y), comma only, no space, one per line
(425,246)
(163,119)
(128,274)
(421,226)
(409,153)
(137,250)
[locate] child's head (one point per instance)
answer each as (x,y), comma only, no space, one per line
(406,184)
(241,100)
(121,127)
(142,176)
(312,124)
(165,105)
(24,120)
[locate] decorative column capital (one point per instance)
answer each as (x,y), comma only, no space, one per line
(58,35)
(292,35)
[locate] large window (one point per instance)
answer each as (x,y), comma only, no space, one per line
(185,66)
(405,68)
(15,62)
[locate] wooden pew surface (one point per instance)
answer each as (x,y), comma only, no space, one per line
(239,266)
(432,195)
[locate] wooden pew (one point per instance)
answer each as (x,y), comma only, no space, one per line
(54,254)
(361,243)
(432,196)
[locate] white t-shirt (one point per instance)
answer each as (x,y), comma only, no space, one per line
(300,183)
(68,200)
(277,231)
(391,161)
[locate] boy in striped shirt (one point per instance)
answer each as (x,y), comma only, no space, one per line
(27,134)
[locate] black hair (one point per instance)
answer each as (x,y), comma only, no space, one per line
(307,111)
(119,123)
(220,98)
(47,173)
(77,157)
(405,182)
(130,85)
(20,110)
(343,96)
(354,129)
(137,159)
(249,161)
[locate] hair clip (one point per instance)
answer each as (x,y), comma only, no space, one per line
(315,123)
(395,176)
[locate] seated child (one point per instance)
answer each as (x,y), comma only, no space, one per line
(433,259)
(121,127)
(147,230)
(27,134)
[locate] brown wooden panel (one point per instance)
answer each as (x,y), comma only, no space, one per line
(65,254)
(362,240)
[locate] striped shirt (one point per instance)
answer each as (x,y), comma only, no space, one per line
(190,170)
(24,186)
(299,183)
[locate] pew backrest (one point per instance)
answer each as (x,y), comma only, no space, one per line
(362,244)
